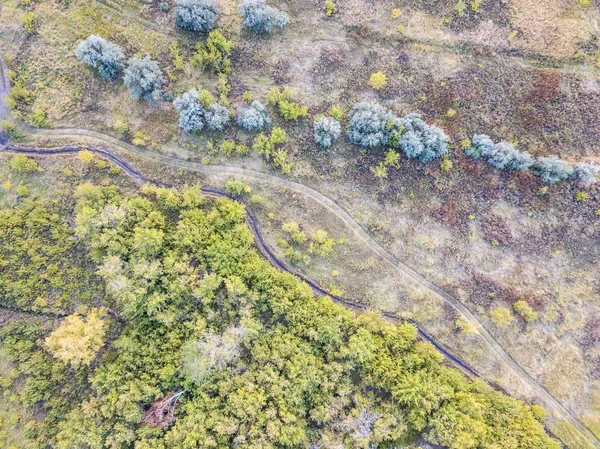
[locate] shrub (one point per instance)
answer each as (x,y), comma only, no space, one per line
(144,79)
(525,311)
(28,22)
(586,173)
(85,156)
(237,187)
(367,124)
(214,53)
(418,139)
(121,127)
(199,109)
(254,117)
(139,139)
(327,130)
(552,170)
(501,155)
(104,56)
(260,17)
(37,118)
(21,164)
(336,112)
(501,317)
(196,15)
(10,129)
(287,108)
(581,197)
(329,8)
(378,80)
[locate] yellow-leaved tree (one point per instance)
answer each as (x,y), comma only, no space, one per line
(78,338)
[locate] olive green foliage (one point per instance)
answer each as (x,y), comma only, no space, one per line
(268,146)
(237,187)
(40,268)
(525,310)
(214,53)
(257,359)
(501,317)
(287,108)
(21,164)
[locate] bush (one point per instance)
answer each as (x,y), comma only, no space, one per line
(501,317)
(121,127)
(378,80)
(254,117)
(586,173)
(214,53)
(525,311)
(501,155)
(236,187)
(367,124)
(327,130)
(287,108)
(199,109)
(144,79)
(260,17)
(417,139)
(102,55)
(196,15)
(21,164)
(28,22)
(552,170)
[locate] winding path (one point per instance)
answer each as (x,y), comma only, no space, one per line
(104,141)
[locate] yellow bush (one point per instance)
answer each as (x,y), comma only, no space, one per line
(378,80)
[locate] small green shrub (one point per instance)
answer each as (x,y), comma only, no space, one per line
(501,317)
(38,118)
(525,311)
(287,108)
(237,188)
(214,53)
(378,80)
(121,127)
(329,8)
(21,164)
(28,22)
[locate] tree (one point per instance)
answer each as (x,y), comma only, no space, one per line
(102,55)
(502,155)
(199,109)
(552,170)
(21,164)
(586,173)
(196,15)
(144,79)
(367,124)
(254,117)
(77,340)
(417,139)
(260,17)
(327,130)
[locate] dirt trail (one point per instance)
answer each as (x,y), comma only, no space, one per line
(560,411)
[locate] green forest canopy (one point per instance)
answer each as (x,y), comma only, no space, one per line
(189,339)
